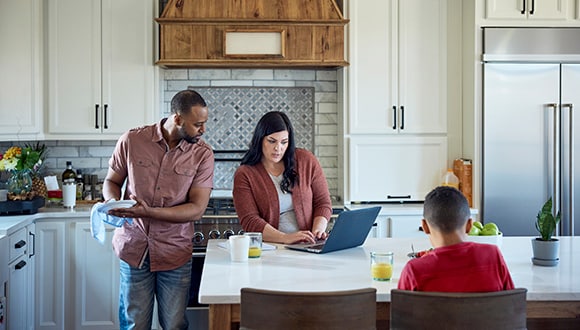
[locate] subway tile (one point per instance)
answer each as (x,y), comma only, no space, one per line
(326,75)
(209,74)
(294,75)
(174,74)
(253,74)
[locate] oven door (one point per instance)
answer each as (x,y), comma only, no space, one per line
(197,259)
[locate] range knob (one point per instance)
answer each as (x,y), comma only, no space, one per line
(241,232)
(228,233)
(214,233)
(198,237)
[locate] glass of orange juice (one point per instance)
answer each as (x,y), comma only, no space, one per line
(381,266)
(255,244)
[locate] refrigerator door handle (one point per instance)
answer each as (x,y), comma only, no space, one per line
(555,134)
(571,155)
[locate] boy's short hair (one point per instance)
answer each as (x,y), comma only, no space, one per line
(446,209)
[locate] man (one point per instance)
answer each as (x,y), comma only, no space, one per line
(168,171)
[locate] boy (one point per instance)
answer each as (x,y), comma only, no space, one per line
(455,265)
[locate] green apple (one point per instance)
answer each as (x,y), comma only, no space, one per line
(474,231)
(490,229)
(478,224)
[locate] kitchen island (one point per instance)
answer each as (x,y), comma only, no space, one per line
(553,292)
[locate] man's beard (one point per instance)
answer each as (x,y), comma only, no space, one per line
(189,138)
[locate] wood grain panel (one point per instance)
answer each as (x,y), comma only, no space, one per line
(192,32)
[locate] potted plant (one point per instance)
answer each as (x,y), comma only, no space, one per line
(545,248)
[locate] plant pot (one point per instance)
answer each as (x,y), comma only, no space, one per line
(545,253)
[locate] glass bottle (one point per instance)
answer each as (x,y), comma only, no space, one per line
(69,186)
(80,185)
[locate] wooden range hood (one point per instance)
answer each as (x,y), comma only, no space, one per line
(251,33)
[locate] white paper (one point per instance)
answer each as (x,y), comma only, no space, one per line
(51,182)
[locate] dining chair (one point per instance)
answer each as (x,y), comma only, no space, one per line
(281,310)
(445,310)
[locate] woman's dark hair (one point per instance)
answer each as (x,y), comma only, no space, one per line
(183,101)
(272,122)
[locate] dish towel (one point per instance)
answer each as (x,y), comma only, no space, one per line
(99,218)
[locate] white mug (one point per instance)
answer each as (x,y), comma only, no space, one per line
(239,246)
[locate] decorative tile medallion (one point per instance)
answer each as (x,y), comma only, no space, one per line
(235,111)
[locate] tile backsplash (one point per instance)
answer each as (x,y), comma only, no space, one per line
(309,97)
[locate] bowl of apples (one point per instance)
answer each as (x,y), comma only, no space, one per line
(485,233)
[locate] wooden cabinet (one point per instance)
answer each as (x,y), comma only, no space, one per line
(77,278)
(100,77)
(397,76)
(397,105)
(527,9)
(20,69)
(20,295)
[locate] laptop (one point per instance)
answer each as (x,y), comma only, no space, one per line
(350,229)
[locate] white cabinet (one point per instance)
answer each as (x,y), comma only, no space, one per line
(20,295)
(397,76)
(20,69)
(100,67)
(397,104)
(96,290)
(3,280)
(395,168)
(405,226)
(527,9)
(77,278)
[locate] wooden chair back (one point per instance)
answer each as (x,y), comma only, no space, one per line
(280,310)
(442,310)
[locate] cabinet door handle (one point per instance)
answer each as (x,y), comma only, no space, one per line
(523,12)
(402,117)
(533,7)
(19,244)
(20,265)
(105,125)
(398,197)
(96,116)
(33,244)
(394,117)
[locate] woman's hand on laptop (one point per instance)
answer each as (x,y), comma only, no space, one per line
(319,228)
(303,236)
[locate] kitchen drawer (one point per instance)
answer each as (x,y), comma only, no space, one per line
(17,244)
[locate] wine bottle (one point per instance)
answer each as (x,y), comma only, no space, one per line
(69,186)
(80,185)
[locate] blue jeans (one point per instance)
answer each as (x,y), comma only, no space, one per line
(139,286)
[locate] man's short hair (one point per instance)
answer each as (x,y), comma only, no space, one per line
(446,209)
(183,101)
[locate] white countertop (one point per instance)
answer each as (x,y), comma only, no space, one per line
(11,223)
(288,270)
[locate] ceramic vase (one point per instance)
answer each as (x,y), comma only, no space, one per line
(545,253)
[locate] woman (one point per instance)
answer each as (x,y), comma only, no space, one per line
(279,190)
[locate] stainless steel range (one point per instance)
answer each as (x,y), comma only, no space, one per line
(219,221)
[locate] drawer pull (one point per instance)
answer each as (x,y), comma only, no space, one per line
(19,244)
(20,265)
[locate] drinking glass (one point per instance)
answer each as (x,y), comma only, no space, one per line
(381,266)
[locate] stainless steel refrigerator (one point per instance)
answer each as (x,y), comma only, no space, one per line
(531,127)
